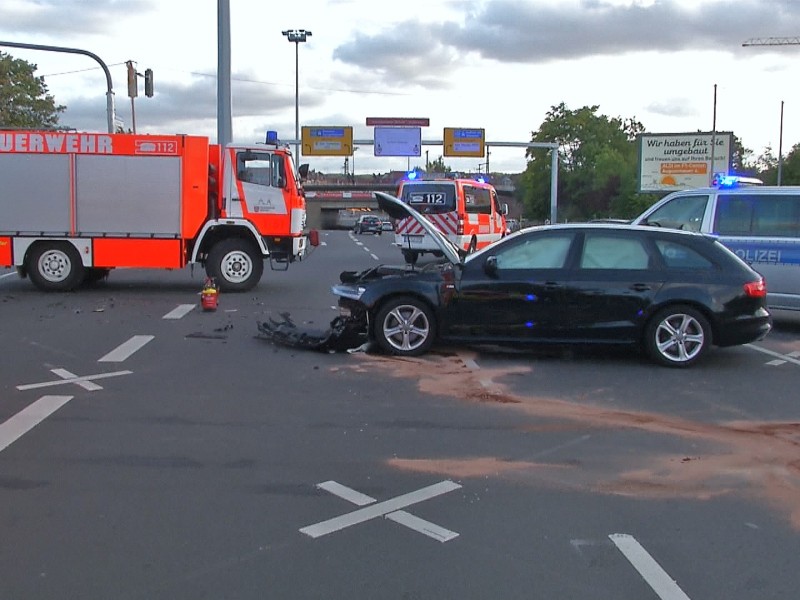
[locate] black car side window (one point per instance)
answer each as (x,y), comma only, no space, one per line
(680,256)
(604,251)
(548,252)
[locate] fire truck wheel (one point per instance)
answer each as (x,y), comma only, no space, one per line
(236,265)
(410,257)
(405,326)
(473,245)
(55,266)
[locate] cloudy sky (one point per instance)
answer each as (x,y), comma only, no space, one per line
(499,65)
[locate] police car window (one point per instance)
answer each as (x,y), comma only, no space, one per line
(683,212)
(477,200)
(549,252)
(680,256)
(605,251)
(430,198)
(758,215)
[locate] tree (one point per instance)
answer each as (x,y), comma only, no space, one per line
(597,162)
(24,101)
(438,166)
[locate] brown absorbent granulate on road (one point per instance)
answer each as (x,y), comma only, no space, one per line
(758,460)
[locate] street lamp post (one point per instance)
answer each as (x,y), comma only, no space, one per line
(297,36)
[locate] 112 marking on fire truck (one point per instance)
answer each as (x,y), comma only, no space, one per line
(77,205)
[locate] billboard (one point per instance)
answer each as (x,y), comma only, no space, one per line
(398,141)
(677,161)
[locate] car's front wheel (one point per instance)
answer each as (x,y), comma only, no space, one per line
(405,326)
(677,336)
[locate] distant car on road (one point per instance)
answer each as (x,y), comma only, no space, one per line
(368,224)
(672,293)
(386,225)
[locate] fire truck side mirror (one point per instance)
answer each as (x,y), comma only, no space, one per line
(148,83)
(303,171)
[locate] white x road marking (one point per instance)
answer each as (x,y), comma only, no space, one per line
(66,377)
(389,509)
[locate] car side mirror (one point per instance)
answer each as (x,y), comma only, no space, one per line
(490,266)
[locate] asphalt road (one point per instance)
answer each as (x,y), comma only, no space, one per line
(150,450)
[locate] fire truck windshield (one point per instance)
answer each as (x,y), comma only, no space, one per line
(430,198)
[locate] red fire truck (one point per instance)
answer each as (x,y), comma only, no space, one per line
(75,206)
(467,211)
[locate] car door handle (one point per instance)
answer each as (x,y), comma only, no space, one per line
(640,287)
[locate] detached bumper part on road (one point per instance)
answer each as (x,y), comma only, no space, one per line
(343,334)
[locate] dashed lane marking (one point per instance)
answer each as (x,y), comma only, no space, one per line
(28,418)
(179,311)
(125,350)
(657,578)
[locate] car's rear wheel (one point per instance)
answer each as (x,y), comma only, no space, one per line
(677,336)
(405,326)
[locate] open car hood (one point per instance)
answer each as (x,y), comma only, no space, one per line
(397,209)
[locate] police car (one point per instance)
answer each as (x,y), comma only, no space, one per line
(761,224)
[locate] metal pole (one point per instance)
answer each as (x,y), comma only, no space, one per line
(713,138)
(297,98)
(780,148)
(224,111)
(110,116)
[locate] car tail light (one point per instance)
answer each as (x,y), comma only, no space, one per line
(756,289)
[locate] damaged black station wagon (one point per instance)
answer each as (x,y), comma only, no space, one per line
(672,293)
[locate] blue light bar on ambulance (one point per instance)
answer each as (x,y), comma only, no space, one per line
(723,180)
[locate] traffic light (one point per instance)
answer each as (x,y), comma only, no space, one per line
(133,86)
(148,83)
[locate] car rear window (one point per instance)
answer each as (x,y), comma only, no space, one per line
(430,198)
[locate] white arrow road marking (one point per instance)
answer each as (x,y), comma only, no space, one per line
(76,380)
(388,509)
(179,311)
(657,578)
(28,418)
(124,350)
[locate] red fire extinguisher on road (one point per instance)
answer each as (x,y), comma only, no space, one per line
(209,297)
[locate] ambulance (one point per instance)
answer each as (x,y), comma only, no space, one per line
(77,205)
(466,210)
